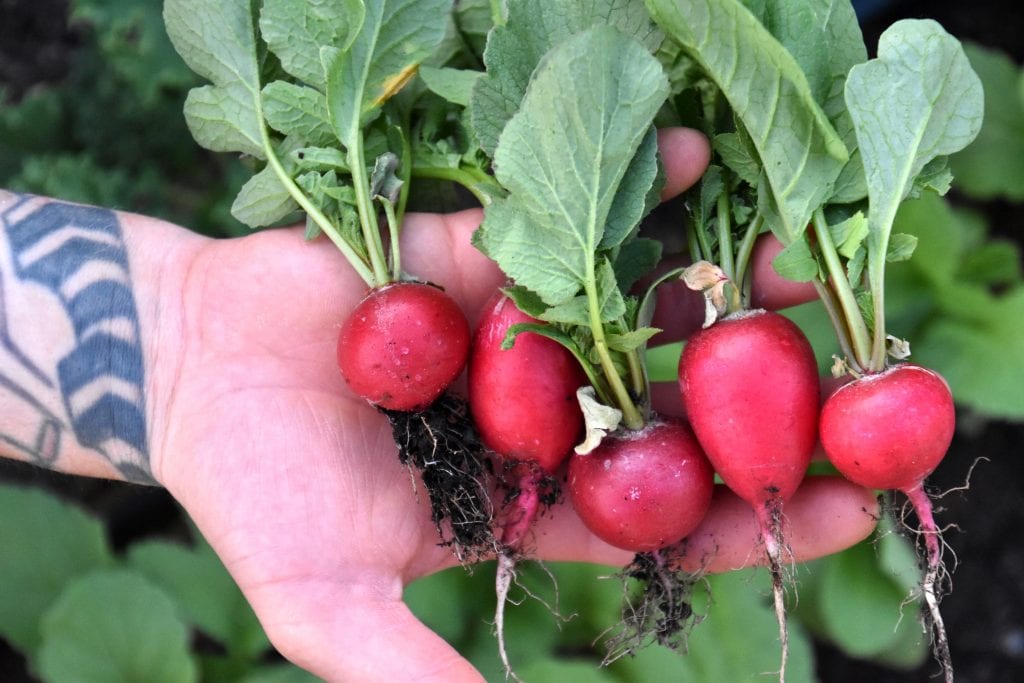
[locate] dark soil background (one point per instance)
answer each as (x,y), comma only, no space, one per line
(985,612)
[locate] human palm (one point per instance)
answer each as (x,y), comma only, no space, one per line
(296,484)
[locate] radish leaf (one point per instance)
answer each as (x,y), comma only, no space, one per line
(534,27)
(564,158)
(801,154)
(295,31)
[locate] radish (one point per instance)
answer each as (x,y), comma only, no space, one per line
(403,345)
(889,430)
(523,401)
(750,388)
(645,490)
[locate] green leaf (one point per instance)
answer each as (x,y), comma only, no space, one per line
(862,609)
(977,349)
(825,39)
(48,543)
(203,591)
(737,156)
(563,158)
(263,200)
(632,340)
(796,262)
(296,31)
(454,85)
(218,41)
(382,58)
(297,110)
(800,151)
(280,673)
(635,259)
(115,627)
(533,28)
(319,159)
(737,641)
(917,100)
(848,235)
(993,165)
(901,247)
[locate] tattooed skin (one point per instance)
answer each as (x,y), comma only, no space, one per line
(89,388)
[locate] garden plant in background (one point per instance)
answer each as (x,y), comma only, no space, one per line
(350,114)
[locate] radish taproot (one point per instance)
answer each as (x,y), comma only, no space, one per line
(890,430)
(523,401)
(402,345)
(750,388)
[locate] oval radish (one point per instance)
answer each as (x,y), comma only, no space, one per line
(402,346)
(643,490)
(523,399)
(523,402)
(750,389)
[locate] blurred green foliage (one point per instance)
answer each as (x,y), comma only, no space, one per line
(111,133)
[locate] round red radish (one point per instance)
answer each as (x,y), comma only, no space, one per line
(889,430)
(642,490)
(751,392)
(523,399)
(403,345)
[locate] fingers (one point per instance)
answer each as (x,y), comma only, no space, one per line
(685,154)
(358,633)
(679,310)
(826,515)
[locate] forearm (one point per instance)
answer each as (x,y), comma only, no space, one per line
(88,305)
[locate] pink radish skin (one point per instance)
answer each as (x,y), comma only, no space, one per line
(403,345)
(890,430)
(523,399)
(750,389)
(645,490)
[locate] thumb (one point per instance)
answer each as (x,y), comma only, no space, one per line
(360,633)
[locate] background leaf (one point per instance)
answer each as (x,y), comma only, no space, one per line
(115,627)
(993,165)
(46,543)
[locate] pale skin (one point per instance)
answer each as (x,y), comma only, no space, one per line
(293,480)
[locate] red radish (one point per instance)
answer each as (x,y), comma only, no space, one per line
(750,388)
(643,490)
(403,345)
(523,401)
(890,430)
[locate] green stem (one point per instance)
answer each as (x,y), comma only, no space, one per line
(404,172)
(324,223)
(828,300)
(393,233)
(630,413)
(744,252)
(481,185)
(725,255)
(840,284)
(366,210)
(497,13)
(876,281)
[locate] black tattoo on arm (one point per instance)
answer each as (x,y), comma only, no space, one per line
(93,392)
